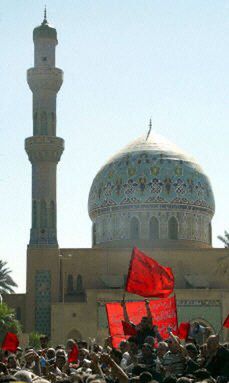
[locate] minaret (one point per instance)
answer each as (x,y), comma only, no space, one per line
(44,149)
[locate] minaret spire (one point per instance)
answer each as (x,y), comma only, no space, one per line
(45,15)
(150,128)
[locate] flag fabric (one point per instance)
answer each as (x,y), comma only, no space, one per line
(73,355)
(163,311)
(128,329)
(146,277)
(226,322)
(10,342)
(183,330)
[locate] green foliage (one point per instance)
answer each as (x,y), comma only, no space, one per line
(224,239)
(34,340)
(6,281)
(8,323)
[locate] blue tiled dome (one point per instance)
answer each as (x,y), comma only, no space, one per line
(148,173)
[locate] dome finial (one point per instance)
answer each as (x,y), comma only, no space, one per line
(150,127)
(45,16)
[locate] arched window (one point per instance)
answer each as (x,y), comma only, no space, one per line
(43,214)
(35,132)
(70,287)
(210,233)
(154,228)
(52,215)
(44,127)
(18,313)
(34,215)
(79,284)
(53,124)
(134,228)
(93,234)
(173,228)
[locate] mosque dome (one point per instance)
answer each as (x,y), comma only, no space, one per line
(151,194)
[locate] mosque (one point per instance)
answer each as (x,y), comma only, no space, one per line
(150,194)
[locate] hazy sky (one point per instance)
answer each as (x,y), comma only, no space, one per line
(124,61)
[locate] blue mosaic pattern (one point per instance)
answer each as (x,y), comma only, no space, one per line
(150,173)
(43,302)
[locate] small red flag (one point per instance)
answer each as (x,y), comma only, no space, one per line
(128,329)
(10,342)
(148,278)
(226,322)
(73,355)
(183,330)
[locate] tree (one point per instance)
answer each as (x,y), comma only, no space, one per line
(8,323)
(225,238)
(6,281)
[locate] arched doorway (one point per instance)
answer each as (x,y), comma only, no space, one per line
(200,330)
(74,334)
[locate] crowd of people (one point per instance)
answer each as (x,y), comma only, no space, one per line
(144,357)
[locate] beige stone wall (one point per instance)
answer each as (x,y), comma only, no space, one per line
(82,319)
(201,267)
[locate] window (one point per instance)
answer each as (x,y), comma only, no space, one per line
(134,228)
(93,234)
(52,215)
(154,228)
(34,215)
(35,123)
(173,228)
(53,116)
(210,233)
(70,288)
(43,214)
(44,126)
(18,313)
(79,284)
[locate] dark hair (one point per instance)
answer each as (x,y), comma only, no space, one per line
(170,379)
(191,347)
(117,354)
(145,377)
(133,339)
(138,369)
(7,378)
(202,373)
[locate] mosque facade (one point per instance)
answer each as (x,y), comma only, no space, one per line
(150,194)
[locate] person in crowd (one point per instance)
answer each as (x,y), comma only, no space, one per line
(217,361)
(146,327)
(168,361)
(191,358)
(174,360)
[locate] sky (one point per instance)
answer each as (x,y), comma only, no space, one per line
(124,61)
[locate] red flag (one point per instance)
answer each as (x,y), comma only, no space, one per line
(10,342)
(128,329)
(163,311)
(148,278)
(183,330)
(226,322)
(73,355)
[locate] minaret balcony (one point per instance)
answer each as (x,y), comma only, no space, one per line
(44,148)
(45,79)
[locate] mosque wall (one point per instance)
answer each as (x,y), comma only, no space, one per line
(88,320)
